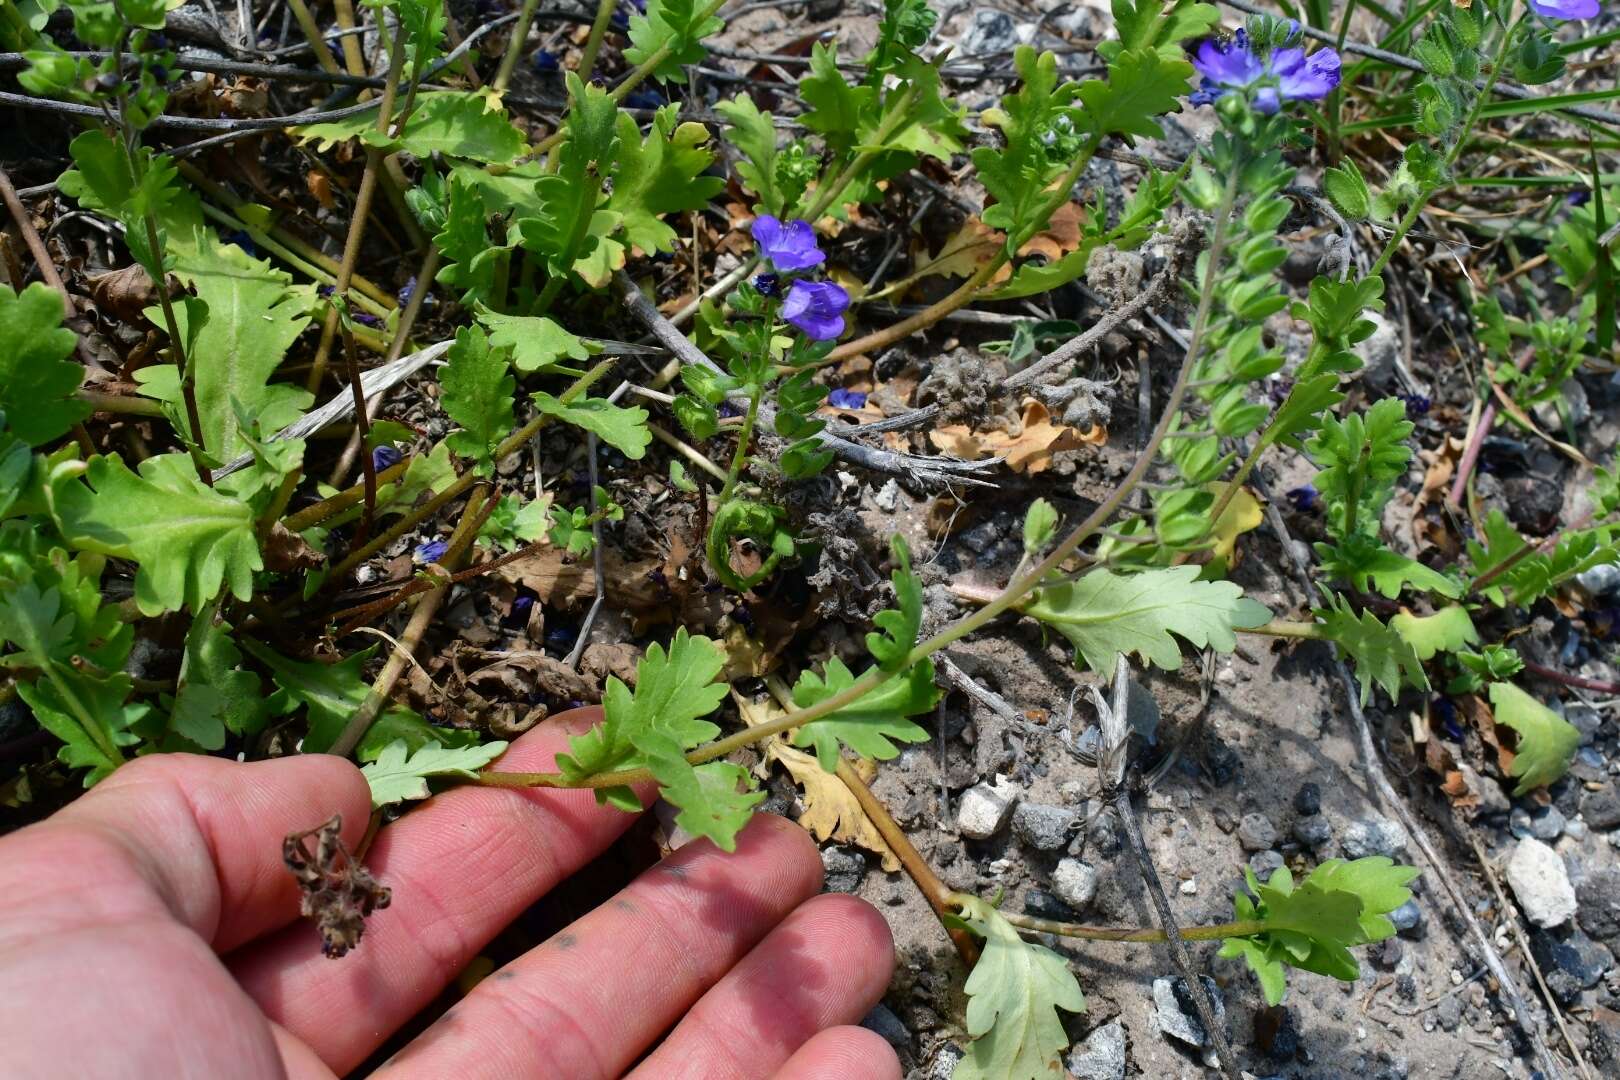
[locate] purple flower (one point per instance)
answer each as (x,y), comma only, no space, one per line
(846,399)
(545,60)
(1303,498)
(432,551)
(1416,405)
(1283,74)
(768,285)
(1565,9)
(406,291)
(789,247)
(384,457)
(365,318)
(817,308)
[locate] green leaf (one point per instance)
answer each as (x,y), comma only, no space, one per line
(1143,84)
(1547,742)
(463,239)
(754,135)
(536,342)
(1501,543)
(565,227)
(1105,613)
(1303,410)
(836,110)
(660,175)
(214,693)
(1360,458)
(1040,524)
(901,623)
(396,777)
(1018,174)
(1014,994)
(713,798)
(1447,630)
(678,25)
(89,715)
(255,313)
(872,723)
(1365,564)
(1347,189)
(1158,24)
(1381,655)
(478,386)
(37,380)
(674,691)
(331,692)
(457,124)
(623,429)
(189,540)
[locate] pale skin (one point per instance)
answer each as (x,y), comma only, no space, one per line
(149,929)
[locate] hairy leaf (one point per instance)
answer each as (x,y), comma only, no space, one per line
(754,136)
(1547,742)
(457,124)
(536,342)
(660,175)
(623,429)
(1143,84)
(1018,173)
(1014,994)
(1360,458)
(189,540)
(901,623)
(398,774)
(714,798)
(1381,656)
(566,228)
(478,386)
(1447,630)
(872,723)
(1106,613)
(37,380)
(678,25)
(1366,564)
(837,111)
(1158,24)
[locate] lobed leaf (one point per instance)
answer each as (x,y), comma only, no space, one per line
(901,623)
(624,429)
(37,380)
(1381,656)
(659,175)
(1547,742)
(871,724)
(398,774)
(478,384)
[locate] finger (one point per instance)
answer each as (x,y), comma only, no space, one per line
(196,836)
(591,999)
(827,964)
(461,868)
(842,1053)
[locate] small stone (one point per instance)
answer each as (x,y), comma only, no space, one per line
(1547,824)
(1313,831)
(1074,882)
(984,809)
(989,31)
(1101,1056)
(1601,809)
(1044,827)
(1256,832)
(1599,897)
(843,869)
(1449,1012)
(945,1061)
(1570,962)
(1600,580)
(883,1021)
(1224,820)
(980,538)
(1265,863)
(888,497)
(1541,883)
(1519,823)
(1178,1016)
(1408,920)
(1189,887)
(1045,905)
(1308,799)
(1380,350)
(1376,835)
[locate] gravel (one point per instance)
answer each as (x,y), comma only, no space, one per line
(1541,883)
(1313,831)
(1075,882)
(1256,832)
(1599,897)
(1376,835)
(883,1021)
(984,809)
(1570,962)
(1308,800)
(1178,1016)
(1101,1056)
(843,869)
(1601,809)
(1044,827)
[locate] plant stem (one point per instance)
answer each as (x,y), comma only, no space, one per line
(593,44)
(1145,935)
(514,45)
(328,507)
(1015,591)
(188,378)
(1286,628)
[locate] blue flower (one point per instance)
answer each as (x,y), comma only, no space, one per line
(1304,498)
(846,399)
(1280,75)
(244,240)
(817,308)
(1416,405)
(1565,9)
(787,247)
(384,457)
(768,285)
(431,552)
(544,60)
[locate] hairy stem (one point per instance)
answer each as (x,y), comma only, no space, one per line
(188,377)
(593,44)
(514,45)
(1142,934)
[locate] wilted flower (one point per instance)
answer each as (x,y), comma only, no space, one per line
(384,457)
(817,308)
(1282,74)
(1565,9)
(788,247)
(768,285)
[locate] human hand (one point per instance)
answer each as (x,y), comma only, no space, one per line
(149,929)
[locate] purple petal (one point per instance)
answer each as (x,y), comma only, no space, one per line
(1565,9)
(767,231)
(1265,100)
(432,551)
(1305,79)
(789,247)
(816,308)
(1228,63)
(841,398)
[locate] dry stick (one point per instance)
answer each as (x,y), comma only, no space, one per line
(1386,792)
(514,45)
(312,32)
(476,512)
(364,613)
(36,246)
(1566,679)
(885,461)
(1529,957)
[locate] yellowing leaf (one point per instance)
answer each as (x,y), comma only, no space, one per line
(1029,449)
(973,245)
(1547,741)
(1241,515)
(831,811)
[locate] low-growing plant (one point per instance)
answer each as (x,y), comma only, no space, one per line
(227,540)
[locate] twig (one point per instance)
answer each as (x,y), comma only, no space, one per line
(937,470)
(36,246)
(1566,679)
(577,653)
(1386,792)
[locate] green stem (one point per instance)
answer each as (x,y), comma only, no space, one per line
(593,44)
(1287,628)
(1015,591)
(188,378)
(1148,934)
(86,721)
(745,435)
(514,45)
